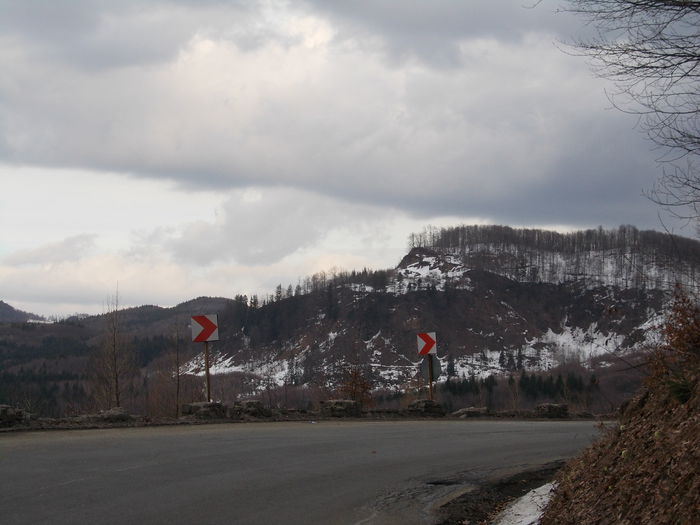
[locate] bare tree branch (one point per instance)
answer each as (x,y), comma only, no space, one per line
(650,49)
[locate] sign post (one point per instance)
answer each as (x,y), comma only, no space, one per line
(206,367)
(205,328)
(430,373)
(427,346)
(430,369)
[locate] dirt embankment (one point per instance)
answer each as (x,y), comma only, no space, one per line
(645,471)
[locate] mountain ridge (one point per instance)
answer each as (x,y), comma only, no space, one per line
(625,256)
(487,323)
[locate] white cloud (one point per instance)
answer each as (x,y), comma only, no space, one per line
(44,205)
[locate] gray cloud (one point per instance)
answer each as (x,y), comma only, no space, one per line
(101,34)
(262,226)
(432,31)
(490,120)
(68,249)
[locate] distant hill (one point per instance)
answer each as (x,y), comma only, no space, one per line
(624,257)
(8,314)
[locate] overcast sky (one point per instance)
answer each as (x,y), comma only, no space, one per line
(184,148)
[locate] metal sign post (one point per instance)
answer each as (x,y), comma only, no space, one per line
(206,366)
(205,328)
(430,370)
(430,374)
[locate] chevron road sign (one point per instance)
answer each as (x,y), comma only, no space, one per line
(427,343)
(205,328)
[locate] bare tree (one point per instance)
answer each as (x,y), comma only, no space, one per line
(355,385)
(113,364)
(650,49)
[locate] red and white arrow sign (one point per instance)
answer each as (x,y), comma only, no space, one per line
(427,343)
(205,328)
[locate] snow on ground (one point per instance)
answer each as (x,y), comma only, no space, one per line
(581,344)
(394,373)
(528,509)
(273,371)
(217,365)
(360,288)
(602,267)
(653,327)
(488,362)
(428,272)
(479,365)
(538,354)
(547,351)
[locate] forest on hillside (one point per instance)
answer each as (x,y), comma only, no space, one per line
(625,256)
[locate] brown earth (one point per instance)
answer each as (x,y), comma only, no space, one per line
(644,471)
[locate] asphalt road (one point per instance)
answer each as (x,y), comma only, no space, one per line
(267,473)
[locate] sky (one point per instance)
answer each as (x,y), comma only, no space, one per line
(170,149)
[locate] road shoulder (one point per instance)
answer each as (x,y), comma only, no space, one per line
(483,504)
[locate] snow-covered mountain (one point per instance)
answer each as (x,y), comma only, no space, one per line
(490,314)
(624,257)
(500,301)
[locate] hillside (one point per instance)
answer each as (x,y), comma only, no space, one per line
(8,314)
(487,324)
(503,341)
(625,257)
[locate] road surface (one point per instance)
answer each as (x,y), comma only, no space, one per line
(267,473)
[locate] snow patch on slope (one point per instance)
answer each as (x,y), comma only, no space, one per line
(578,344)
(429,272)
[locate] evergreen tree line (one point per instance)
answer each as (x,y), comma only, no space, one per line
(49,347)
(44,393)
(533,386)
(318,283)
